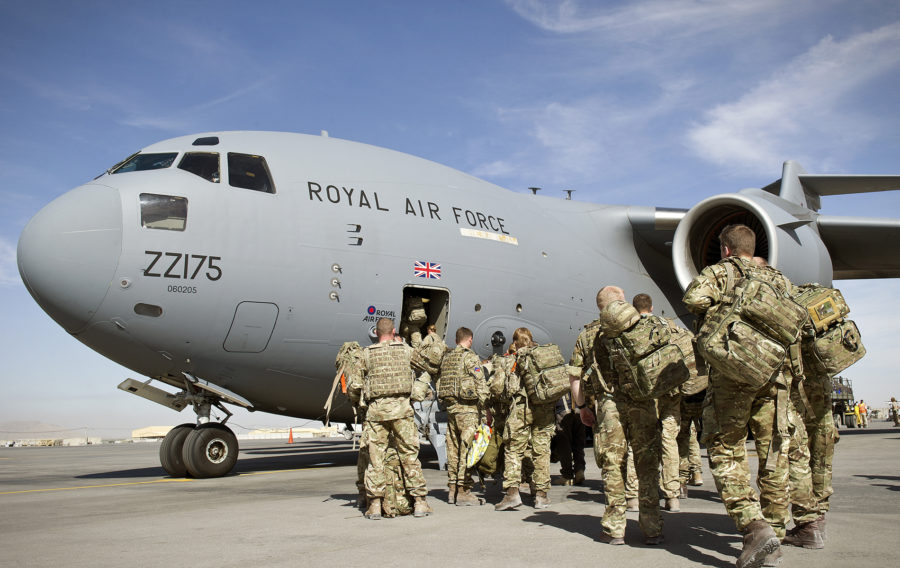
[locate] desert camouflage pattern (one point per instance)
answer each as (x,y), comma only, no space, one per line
(640,420)
(405,437)
(804,506)
(528,426)
(631,479)
(387,370)
(428,354)
(670,421)
(814,406)
(688,445)
(610,449)
(461,368)
(461,428)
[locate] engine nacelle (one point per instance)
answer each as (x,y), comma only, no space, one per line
(786,236)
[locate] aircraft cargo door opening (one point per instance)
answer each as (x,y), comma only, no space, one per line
(422,307)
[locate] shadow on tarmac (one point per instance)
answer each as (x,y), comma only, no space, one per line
(890,487)
(688,535)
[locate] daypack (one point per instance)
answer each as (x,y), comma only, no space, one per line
(644,352)
(543,370)
(504,382)
(427,357)
(492,460)
(747,335)
(396,500)
(830,342)
(348,362)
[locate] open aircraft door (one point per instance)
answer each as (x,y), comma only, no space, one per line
(435,302)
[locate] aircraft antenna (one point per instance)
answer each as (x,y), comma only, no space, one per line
(534,190)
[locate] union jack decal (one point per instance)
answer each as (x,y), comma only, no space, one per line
(427,270)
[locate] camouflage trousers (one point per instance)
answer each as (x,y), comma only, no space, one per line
(804,506)
(670,421)
(362,462)
(610,450)
(461,428)
(405,438)
(729,410)
(631,479)
(534,423)
(688,446)
(640,423)
(813,403)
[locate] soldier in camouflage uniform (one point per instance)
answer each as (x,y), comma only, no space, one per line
(388,383)
(640,420)
(592,397)
(520,428)
(690,467)
(463,392)
(733,406)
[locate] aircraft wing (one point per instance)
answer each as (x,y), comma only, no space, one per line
(861,247)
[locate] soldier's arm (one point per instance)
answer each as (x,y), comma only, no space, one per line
(703,292)
(474,368)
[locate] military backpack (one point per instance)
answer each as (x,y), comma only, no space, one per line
(543,372)
(643,351)
(427,357)
(504,382)
(748,334)
(830,343)
(455,382)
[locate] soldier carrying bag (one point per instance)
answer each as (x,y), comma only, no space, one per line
(830,343)
(543,371)
(644,352)
(427,357)
(747,336)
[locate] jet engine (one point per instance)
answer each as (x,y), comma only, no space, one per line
(786,236)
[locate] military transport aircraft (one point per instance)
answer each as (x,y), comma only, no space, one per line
(232,265)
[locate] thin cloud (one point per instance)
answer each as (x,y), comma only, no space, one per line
(801,106)
(9,271)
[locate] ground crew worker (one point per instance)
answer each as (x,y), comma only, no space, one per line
(895,411)
(863,414)
(388,383)
(463,392)
(669,408)
(592,395)
(733,406)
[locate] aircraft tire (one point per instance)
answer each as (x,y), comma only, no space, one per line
(171,449)
(210,450)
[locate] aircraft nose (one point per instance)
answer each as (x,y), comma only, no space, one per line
(68,253)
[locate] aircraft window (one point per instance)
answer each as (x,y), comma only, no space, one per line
(203,164)
(150,310)
(141,162)
(249,172)
(163,212)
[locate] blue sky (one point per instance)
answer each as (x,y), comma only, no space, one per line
(651,102)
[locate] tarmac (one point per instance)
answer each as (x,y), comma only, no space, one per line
(292,505)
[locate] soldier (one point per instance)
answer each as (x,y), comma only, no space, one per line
(463,393)
(669,407)
(640,420)
(525,423)
(592,396)
(387,385)
(690,468)
(895,411)
(569,443)
(733,406)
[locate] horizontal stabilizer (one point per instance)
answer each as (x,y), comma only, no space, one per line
(846,184)
(861,247)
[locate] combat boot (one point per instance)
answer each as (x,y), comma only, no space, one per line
(759,542)
(374,510)
(510,501)
(672,505)
(773,559)
(806,535)
(579,477)
(683,491)
(451,494)
(422,508)
(541,500)
(361,500)
(696,479)
(464,498)
(821,522)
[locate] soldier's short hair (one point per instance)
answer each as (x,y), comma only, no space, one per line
(521,338)
(740,239)
(608,295)
(384,326)
(642,303)
(463,334)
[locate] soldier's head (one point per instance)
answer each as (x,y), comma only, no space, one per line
(608,295)
(384,329)
(464,337)
(521,338)
(432,328)
(643,303)
(737,240)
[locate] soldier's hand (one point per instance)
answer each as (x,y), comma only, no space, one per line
(587,417)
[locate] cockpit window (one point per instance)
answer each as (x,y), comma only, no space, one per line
(163,212)
(141,162)
(249,172)
(203,164)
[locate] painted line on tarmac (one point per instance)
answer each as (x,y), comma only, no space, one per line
(183,479)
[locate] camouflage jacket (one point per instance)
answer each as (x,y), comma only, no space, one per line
(710,286)
(583,362)
(471,366)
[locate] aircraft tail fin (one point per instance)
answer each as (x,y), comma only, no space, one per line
(805,189)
